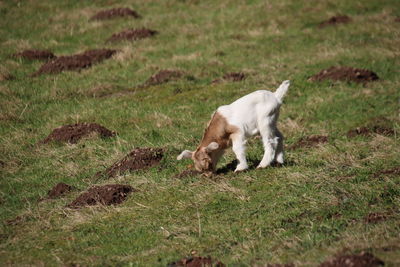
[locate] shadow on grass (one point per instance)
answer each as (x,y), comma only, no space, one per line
(253,163)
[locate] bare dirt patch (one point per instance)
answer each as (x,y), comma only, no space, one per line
(5,75)
(339,19)
(74,132)
(137,159)
(392,171)
(378,125)
(132,34)
(59,190)
(364,259)
(375,217)
(197,262)
(367,131)
(279,265)
(397,19)
(345,74)
(187,174)
(115,13)
(75,62)
(309,141)
(34,54)
(15,221)
(163,76)
(231,77)
(111,194)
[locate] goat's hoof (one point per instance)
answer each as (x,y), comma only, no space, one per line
(240,169)
(262,166)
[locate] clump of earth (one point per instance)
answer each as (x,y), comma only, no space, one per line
(335,20)
(375,217)
(74,132)
(279,265)
(137,159)
(5,75)
(132,34)
(392,171)
(345,74)
(59,190)
(15,221)
(379,125)
(111,194)
(231,77)
(114,13)
(309,141)
(34,54)
(197,262)
(366,131)
(163,76)
(75,62)
(364,259)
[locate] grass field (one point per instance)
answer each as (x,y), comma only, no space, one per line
(314,207)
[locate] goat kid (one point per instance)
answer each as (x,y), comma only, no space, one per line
(255,113)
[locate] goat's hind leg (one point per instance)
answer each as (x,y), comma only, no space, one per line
(270,141)
(279,155)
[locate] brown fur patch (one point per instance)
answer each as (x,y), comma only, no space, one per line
(218,130)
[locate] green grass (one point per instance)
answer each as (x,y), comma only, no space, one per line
(304,212)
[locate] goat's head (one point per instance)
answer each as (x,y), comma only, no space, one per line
(202,158)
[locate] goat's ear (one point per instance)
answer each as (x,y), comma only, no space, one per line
(212,146)
(186,154)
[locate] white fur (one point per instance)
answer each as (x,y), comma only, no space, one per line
(257,113)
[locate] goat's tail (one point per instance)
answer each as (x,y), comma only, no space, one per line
(282,90)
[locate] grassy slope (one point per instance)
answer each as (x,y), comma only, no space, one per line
(302,213)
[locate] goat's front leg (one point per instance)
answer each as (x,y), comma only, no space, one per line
(239,148)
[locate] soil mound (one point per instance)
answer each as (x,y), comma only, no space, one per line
(59,190)
(231,77)
(15,221)
(279,265)
(74,132)
(364,259)
(370,129)
(187,174)
(197,262)
(75,62)
(114,13)
(309,141)
(335,20)
(378,125)
(132,34)
(111,194)
(35,54)
(137,159)
(5,75)
(366,131)
(375,217)
(345,74)
(392,171)
(163,76)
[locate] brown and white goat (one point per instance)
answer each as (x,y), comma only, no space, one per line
(255,113)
